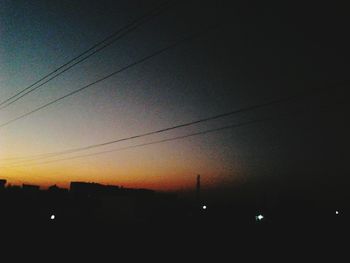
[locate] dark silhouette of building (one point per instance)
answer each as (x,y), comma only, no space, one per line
(55,189)
(95,189)
(30,188)
(2,183)
(83,188)
(57,192)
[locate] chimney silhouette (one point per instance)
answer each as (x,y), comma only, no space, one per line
(198,189)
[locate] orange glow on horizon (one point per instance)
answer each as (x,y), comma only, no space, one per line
(164,167)
(170,175)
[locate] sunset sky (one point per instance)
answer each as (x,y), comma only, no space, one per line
(254,56)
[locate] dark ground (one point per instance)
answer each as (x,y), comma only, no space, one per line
(160,224)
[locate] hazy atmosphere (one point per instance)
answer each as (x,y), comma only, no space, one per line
(219,58)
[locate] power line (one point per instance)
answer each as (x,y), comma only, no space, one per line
(106,42)
(155,142)
(279,117)
(218,116)
(160,51)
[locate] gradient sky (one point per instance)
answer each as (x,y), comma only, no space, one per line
(261,52)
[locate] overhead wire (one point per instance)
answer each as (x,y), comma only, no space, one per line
(51,155)
(145,58)
(203,132)
(87,53)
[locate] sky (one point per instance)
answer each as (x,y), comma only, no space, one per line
(258,52)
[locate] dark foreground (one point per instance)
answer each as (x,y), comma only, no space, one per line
(156,225)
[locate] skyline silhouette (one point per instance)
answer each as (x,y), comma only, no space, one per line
(215,122)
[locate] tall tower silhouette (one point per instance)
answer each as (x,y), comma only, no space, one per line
(198,189)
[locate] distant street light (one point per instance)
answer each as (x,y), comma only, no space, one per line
(204,207)
(52,217)
(259,217)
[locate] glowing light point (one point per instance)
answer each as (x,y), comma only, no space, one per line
(259,217)
(204,207)
(337,212)
(52,217)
